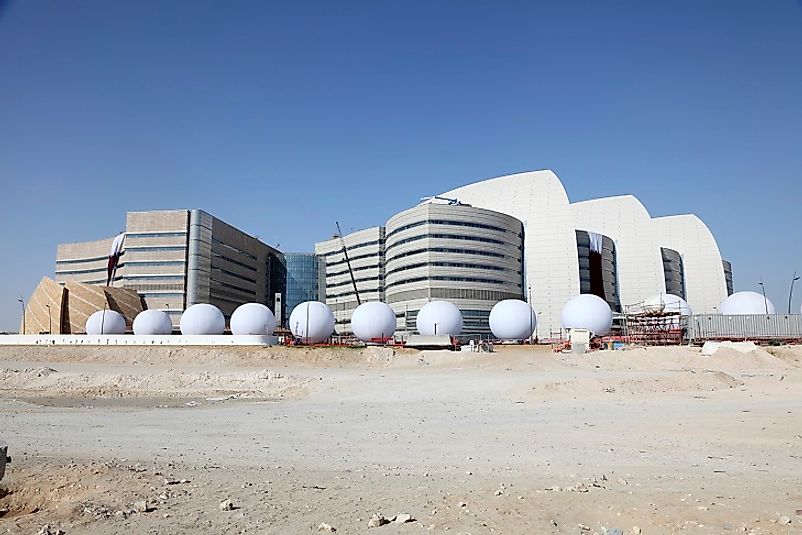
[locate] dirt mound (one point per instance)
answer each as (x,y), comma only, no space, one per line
(48,382)
(680,381)
(679,358)
(791,355)
(221,355)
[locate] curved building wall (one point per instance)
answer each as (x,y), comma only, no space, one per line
(728,276)
(705,283)
(463,254)
(598,274)
(626,221)
(674,271)
(551,267)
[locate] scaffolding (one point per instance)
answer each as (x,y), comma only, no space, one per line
(653,328)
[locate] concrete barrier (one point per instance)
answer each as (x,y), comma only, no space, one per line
(136,340)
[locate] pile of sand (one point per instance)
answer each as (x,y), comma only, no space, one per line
(217,356)
(683,358)
(46,382)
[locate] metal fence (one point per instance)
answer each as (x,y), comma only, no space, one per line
(745,327)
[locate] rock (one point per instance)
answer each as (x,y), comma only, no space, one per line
(403,518)
(48,530)
(377,520)
(463,504)
(141,506)
(498,493)
(636,530)
(785,520)
(175,481)
(226,505)
(326,527)
(614,531)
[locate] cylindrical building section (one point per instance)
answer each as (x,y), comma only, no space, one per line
(469,256)
(674,271)
(598,272)
(728,276)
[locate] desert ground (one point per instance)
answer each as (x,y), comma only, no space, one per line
(290,441)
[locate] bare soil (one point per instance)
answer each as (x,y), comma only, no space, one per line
(152,440)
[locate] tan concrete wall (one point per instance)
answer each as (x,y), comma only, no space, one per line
(83,300)
(44,308)
(155,221)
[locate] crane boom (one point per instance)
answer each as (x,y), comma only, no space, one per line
(348,263)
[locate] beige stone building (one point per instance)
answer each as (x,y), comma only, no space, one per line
(177,258)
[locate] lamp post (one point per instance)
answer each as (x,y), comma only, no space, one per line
(308,304)
(765,301)
(529,302)
(22,303)
(49,319)
(791,291)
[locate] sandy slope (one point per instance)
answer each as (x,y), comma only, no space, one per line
(521,441)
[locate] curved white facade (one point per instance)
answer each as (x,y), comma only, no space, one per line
(551,265)
(551,268)
(626,221)
(705,286)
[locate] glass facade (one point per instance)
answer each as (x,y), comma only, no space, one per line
(674,270)
(302,280)
(598,270)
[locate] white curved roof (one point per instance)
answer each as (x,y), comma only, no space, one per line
(705,286)
(551,264)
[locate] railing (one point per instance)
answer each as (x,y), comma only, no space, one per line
(744,327)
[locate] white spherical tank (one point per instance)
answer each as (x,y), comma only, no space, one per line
(668,303)
(150,322)
(105,322)
(512,319)
(439,318)
(746,303)
(587,311)
(252,318)
(312,321)
(373,321)
(202,318)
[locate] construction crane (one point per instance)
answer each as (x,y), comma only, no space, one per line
(348,263)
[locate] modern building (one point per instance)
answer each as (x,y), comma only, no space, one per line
(651,255)
(466,255)
(177,258)
(364,250)
(469,256)
(303,278)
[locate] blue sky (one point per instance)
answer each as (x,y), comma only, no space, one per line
(281,118)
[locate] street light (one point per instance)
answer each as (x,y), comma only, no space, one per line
(765,301)
(308,304)
(49,319)
(529,302)
(22,303)
(791,292)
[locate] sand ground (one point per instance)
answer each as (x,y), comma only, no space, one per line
(522,441)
